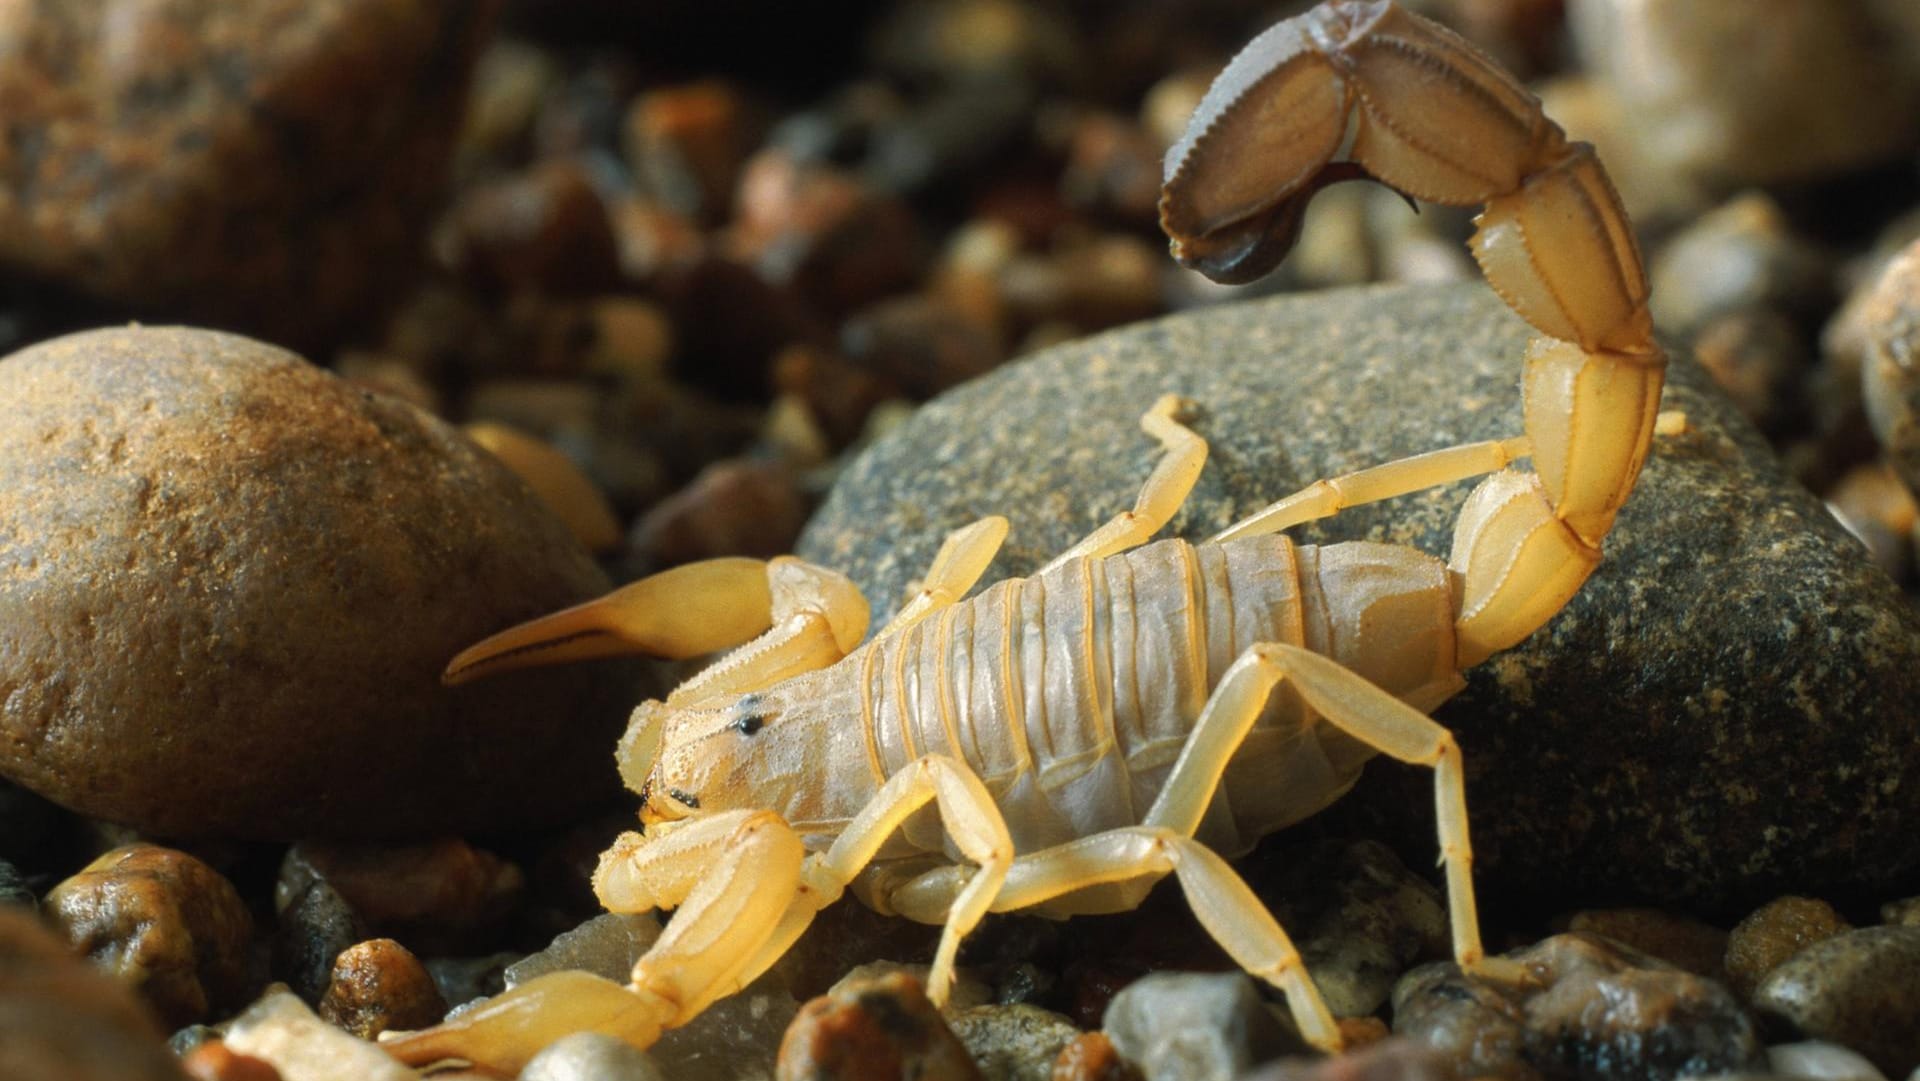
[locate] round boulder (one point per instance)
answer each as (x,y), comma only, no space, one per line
(229,582)
(1724,713)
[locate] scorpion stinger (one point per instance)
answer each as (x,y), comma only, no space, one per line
(1136,710)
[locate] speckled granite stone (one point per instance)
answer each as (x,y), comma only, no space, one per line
(1726,712)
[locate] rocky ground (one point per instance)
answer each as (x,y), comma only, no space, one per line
(596,289)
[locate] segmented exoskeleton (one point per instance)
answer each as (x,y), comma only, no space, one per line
(1061,742)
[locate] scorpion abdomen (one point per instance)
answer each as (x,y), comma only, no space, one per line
(1071,693)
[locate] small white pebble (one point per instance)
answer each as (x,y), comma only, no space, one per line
(1818,1060)
(591,1056)
(280,1029)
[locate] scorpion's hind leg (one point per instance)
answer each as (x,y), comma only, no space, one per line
(1166,488)
(738,877)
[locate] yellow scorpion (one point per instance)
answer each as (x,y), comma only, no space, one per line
(1132,710)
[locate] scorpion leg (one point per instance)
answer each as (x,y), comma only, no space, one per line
(972,819)
(1226,907)
(1355,706)
(737,875)
(1160,497)
(962,559)
(818,617)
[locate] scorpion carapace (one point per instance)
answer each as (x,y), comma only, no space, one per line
(1063,741)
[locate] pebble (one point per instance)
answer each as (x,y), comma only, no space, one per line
(883,1029)
(163,923)
(1019,1042)
(1773,933)
(1388,1060)
(1901,913)
(1758,358)
(1196,1026)
(314,926)
(439,897)
(1113,170)
(1859,989)
(1739,256)
(215,1061)
(1681,941)
(734,1039)
(591,1056)
(1593,1009)
(1091,1057)
(687,144)
(323,552)
(836,242)
(1822,89)
(1359,917)
(63,1020)
(280,1029)
(546,230)
(267,166)
(1806,691)
(1890,362)
(736,507)
(14,890)
(1882,512)
(919,344)
(606,945)
(559,483)
(464,981)
(377,985)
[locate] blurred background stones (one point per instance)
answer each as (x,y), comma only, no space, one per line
(693,257)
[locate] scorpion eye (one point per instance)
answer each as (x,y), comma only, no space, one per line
(749,723)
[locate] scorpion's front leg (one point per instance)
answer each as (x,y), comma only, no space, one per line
(793,617)
(737,878)
(1161,496)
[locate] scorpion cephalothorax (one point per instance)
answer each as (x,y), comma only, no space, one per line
(1131,707)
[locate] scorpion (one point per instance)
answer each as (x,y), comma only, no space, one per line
(1132,710)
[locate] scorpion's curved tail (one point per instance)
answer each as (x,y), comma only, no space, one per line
(1420,110)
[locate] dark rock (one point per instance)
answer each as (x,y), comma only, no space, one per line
(1859,989)
(33,829)
(304,557)
(882,1029)
(378,985)
(1614,754)
(162,922)
(1195,1026)
(734,1039)
(316,924)
(1775,932)
(1591,1010)
(738,507)
(268,166)
(62,1020)
(545,230)
(14,889)
(465,980)
(919,344)
(837,242)
(686,145)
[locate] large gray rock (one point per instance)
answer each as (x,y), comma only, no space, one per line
(1727,710)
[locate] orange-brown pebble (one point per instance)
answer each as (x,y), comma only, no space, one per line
(378,985)
(883,1029)
(62,1020)
(1092,1058)
(1686,943)
(162,922)
(1774,932)
(215,1061)
(1358,1032)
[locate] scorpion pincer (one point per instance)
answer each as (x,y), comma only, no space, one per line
(1132,710)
